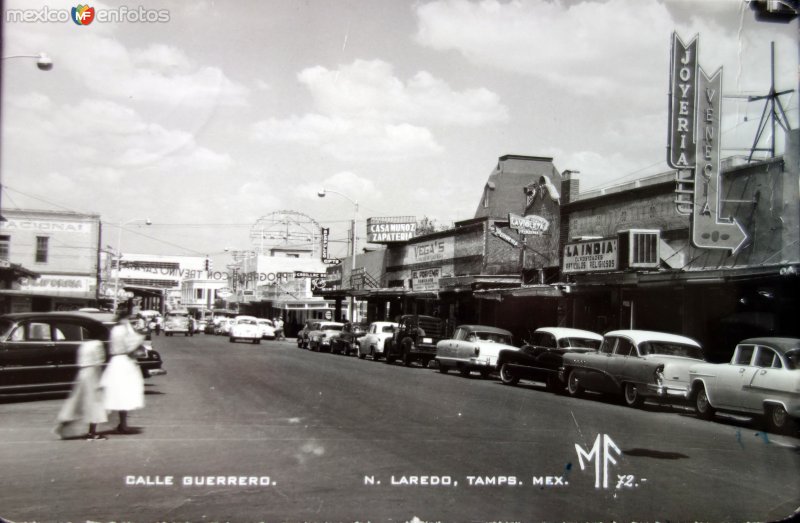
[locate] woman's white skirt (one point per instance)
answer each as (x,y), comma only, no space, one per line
(123,384)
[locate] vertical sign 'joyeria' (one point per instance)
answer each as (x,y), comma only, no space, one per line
(682,97)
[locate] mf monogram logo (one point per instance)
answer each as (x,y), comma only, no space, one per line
(603,454)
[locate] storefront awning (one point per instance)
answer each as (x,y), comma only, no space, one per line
(526,291)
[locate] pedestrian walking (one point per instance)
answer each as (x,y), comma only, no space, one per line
(279,329)
(122,380)
(84,406)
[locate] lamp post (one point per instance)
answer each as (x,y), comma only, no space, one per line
(321,193)
(119,255)
(44,63)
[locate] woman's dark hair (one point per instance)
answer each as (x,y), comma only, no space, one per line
(122,313)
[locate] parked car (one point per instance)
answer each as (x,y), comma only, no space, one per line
(345,341)
(372,342)
(320,339)
(266,328)
(209,328)
(38,350)
(177,322)
(245,328)
(200,326)
(302,335)
(543,357)
(762,378)
(224,326)
(635,364)
(473,347)
(415,338)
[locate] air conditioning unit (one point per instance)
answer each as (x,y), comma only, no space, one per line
(638,249)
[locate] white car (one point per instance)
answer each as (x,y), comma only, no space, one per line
(634,364)
(267,329)
(372,343)
(245,328)
(762,378)
(473,347)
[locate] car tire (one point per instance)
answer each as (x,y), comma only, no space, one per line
(485,373)
(443,368)
(573,385)
(778,419)
(375,355)
(407,360)
(465,372)
(256,341)
(702,406)
(506,376)
(232,340)
(363,356)
(631,396)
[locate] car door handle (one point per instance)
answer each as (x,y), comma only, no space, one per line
(741,371)
(764,371)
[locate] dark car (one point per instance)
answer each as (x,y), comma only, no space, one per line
(38,350)
(302,336)
(541,359)
(345,342)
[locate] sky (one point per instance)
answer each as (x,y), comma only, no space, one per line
(225,113)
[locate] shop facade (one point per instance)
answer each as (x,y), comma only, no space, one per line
(57,257)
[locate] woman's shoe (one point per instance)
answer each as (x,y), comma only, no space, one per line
(94,437)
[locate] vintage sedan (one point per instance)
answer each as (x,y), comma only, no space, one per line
(320,340)
(762,378)
(372,343)
(267,328)
(473,347)
(302,335)
(543,357)
(245,328)
(634,364)
(38,350)
(345,341)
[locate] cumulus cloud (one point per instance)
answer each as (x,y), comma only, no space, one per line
(590,48)
(370,90)
(365,112)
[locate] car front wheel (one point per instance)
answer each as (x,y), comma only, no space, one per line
(506,376)
(632,396)
(701,404)
(573,384)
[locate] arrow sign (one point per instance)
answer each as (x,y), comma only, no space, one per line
(709,229)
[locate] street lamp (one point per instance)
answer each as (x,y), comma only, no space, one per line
(119,255)
(43,61)
(321,193)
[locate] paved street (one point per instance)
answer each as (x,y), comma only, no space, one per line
(241,432)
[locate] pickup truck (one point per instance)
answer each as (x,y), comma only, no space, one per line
(414,339)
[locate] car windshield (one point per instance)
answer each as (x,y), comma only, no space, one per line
(246,322)
(793,359)
(495,337)
(387,328)
(331,327)
(578,343)
(671,349)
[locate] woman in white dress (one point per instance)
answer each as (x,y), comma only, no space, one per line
(122,380)
(85,406)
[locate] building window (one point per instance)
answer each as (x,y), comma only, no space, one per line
(5,242)
(486,197)
(41,249)
(198,294)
